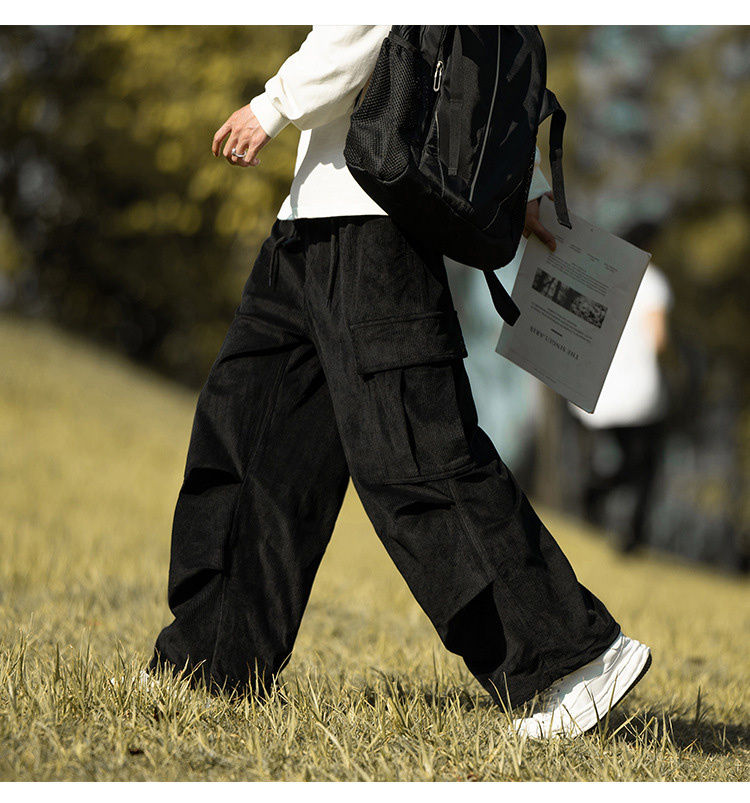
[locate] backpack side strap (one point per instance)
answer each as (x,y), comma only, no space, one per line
(550,106)
(504,304)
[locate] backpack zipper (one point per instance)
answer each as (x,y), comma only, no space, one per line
(437,78)
(489,120)
(437,81)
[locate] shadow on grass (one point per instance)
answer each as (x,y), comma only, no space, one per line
(683,731)
(438,694)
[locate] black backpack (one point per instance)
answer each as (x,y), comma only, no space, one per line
(444,139)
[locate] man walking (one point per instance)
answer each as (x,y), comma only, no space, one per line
(345,359)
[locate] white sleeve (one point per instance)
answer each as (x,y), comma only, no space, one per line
(655,292)
(539,184)
(321,81)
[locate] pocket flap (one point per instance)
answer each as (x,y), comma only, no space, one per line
(405,341)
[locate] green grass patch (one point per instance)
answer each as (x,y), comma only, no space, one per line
(92,451)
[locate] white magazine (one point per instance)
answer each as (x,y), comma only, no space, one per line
(574,304)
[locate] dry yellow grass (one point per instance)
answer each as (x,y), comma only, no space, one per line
(91,458)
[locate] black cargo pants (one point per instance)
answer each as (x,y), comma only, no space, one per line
(345,358)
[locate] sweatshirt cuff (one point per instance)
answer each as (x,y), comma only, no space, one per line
(539,184)
(271,121)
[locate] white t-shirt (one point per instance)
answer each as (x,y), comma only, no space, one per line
(634,392)
(316,89)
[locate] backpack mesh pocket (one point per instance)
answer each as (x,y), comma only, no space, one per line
(391,116)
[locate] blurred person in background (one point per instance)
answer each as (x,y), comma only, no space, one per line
(623,439)
(345,358)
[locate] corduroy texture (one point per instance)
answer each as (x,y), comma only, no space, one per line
(345,358)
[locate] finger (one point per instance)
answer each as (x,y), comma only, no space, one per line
(229,147)
(219,136)
(243,156)
(543,234)
(246,161)
(243,152)
(251,156)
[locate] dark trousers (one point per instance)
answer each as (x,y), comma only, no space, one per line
(345,358)
(633,477)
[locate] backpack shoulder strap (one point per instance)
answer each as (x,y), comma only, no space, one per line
(456,111)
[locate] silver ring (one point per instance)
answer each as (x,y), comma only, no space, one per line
(239,155)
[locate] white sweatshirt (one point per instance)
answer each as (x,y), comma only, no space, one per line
(315,89)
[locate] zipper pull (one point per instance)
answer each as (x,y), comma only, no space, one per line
(438,77)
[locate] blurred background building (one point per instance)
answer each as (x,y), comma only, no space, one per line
(116,223)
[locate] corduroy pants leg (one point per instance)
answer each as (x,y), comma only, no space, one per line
(345,358)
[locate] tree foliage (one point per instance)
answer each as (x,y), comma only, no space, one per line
(118,220)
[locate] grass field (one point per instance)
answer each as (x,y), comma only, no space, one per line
(91,458)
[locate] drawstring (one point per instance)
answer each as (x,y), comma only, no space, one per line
(332,267)
(274,269)
(287,243)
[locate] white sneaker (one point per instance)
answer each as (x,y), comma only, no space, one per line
(574,704)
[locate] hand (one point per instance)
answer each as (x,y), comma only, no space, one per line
(533,226)
(245,136)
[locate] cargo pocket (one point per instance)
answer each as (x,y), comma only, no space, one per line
(411,368)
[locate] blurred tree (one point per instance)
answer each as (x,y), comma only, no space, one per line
(118,220)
